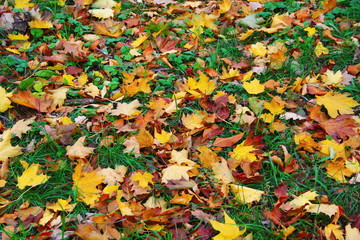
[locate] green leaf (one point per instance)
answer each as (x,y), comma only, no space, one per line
(45,73)
(26,83)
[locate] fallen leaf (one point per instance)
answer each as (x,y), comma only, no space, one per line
(78,150)
(175,172)
(21,126)
(6,149)
(254,87)
(144,179)
(228,230)
(337,104)
(30,176)
(228,142)
(245,194)
(333,230)
(5,103)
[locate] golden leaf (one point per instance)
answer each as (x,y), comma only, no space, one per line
(254,87)
(192,121)
(337,104)
(258,49)
(333,231)
(30,176)
(175,172)
(40,24)
(320,49)
(245,194)
(225,6)
(144,179)
(242,153)
(23,4)
(5,103)
(86,184)
(228,230)
(6,149)
(62,205)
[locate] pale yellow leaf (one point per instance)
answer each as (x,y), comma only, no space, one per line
(245,194)
(30,176)
(337,103)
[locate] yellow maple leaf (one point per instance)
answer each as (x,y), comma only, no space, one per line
(163,137)
(228,230)
(245,194)
(337,103)
(30,176)
(175,172)
(242,152)
(23,4)
(92,90)
(302,200)
(19,37)
(192,121)
(123,206)
(144,179)
(204,85)
(207,156)
(254,87)
(61,205)
(183,199)
(267,117)
(225,6)
(5,102)
(333,230)
(230,74)
(86,184)
(310,31)
(6,149)
(333,149)
(127,109)
(275,106)
(337,170)
(78,150)
(258,49)
(102,13)
(320,49)
(139,41)
(331,78)
(47,216)
(40,24)
(198,21)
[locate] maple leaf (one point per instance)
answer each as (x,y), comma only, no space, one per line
(337,170)
(175,172)
(258,49)
(300,201)
(204,85)
(333,230)
(102,13)
(352,233)
(40,24)
(254,87)
(245,194)
(163,137)
(5,103)
(113,176)
(225,6)
(183,199)
(310,31)
(30,176)
(328,209)
(192,121)
(109,27)
(78,150)
(86,184)
(333,149)
(206,156)
(320,49)
(331,78)
(6,149)
(123,206)
(222,171)
(21,126)
(228,230)
(104,4)
(61,205)
(127,109)
(59,96)
(243,152)
(23,4)
(144,179)
(198,21)
(19,37)
(337,104)
(275,106)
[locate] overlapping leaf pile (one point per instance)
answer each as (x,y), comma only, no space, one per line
(189,92)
